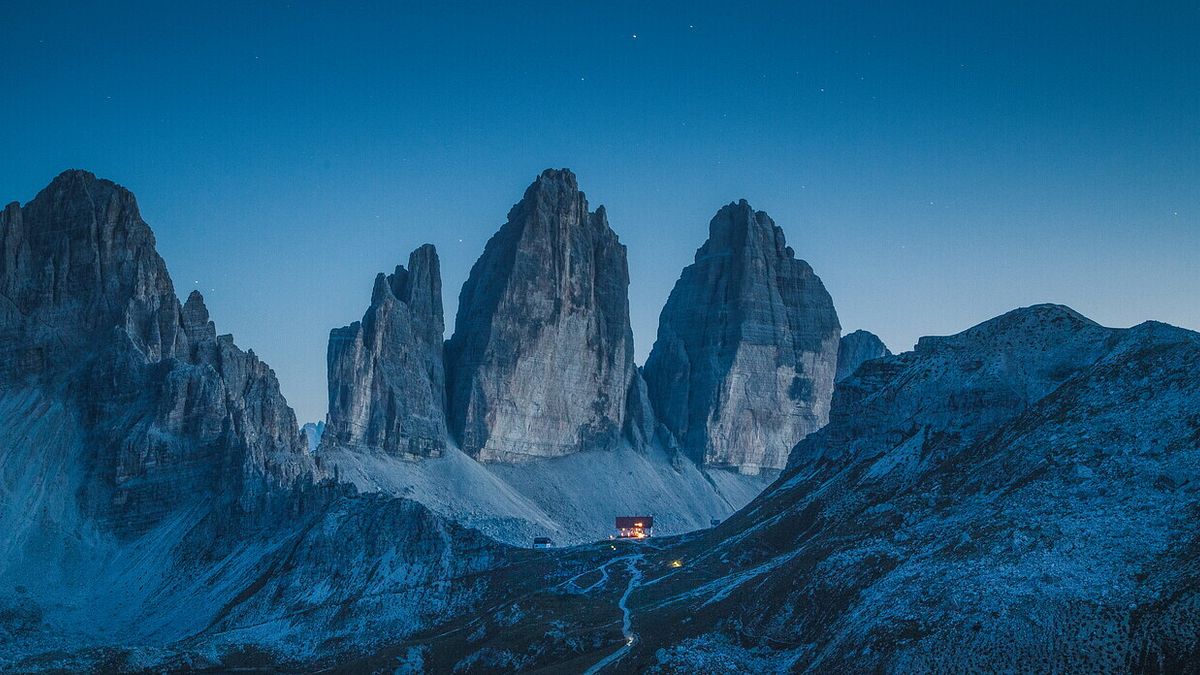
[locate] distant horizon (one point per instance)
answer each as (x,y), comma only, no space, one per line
(937,165)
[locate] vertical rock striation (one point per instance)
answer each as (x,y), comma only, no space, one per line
(176,414)
(857,348)
(387,384)
(541,361)
(747,347)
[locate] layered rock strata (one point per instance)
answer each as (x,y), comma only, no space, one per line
(174,411)
(747,347)
(541,361)
(387,385)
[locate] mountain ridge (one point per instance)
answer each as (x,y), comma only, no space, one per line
(1052,533)
(1020,494)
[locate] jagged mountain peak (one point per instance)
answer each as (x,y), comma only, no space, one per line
(737,217)
(79,261)
(194,305)
(80,175)
(737,228)
(80,179)
(419,282)
(541,360)
(747,344)
(75,189)
(386,376)
(855,349)
(553,191)
(180,414)
(556,177)
(197,325)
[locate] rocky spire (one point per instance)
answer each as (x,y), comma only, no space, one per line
(387,386)
(747,347)
(541,361)
(856,348)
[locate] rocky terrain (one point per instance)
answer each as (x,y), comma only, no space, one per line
(312,432)
(1019,496)
(387,383)
(541,361)
(157,498)
(855,349)
(542,351)
(747,348)
(89,319)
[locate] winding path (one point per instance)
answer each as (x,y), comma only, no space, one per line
(635,577)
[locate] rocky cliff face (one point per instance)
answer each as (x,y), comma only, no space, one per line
(174,412)
(747,347)
(856,348)
(970,505)
(1020,495)
(541,361)
(76,263)
(387,385)
(154,486)
(312,432)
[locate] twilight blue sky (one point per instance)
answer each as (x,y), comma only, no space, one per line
(937,164)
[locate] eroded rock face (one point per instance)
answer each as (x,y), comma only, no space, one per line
(153,479)
(387,384)
(541,361)
(969,506)
(856,348)
(747,347)
(175,413)
(980,377)
(951,478)
(75,262)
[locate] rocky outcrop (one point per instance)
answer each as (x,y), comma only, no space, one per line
(75,263)
(1023,492)
(312,432)
(981,377)
(857,348)
(747,347)
(387,385)
(969,506)
(541,361)
(152,478)
(175,413)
